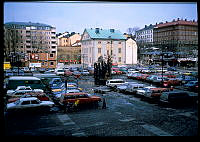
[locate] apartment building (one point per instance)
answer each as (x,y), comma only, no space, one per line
(102,42)
(145,35)
(176,34)
(33,42)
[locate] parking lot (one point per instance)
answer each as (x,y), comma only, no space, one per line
(125,115)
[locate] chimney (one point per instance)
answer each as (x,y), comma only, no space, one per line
(112,30)
(185,19)
(97,30)
(156,24)
(173,20)
(166,22)
(178,19)
(193,21)
(145,26)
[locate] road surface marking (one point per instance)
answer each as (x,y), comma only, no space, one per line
(66,120)
(155,130)
(127,119)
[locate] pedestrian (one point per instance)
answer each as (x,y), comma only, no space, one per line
(104,104)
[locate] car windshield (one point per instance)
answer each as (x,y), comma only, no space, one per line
(17,102)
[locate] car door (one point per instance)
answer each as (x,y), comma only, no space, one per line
(36,105)
(26,104)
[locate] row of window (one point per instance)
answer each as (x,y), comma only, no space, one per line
(119,51)
(144,32)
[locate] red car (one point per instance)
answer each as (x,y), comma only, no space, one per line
(68,73)
(171,82)
(117,71)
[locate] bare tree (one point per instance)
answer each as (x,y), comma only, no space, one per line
(132,30)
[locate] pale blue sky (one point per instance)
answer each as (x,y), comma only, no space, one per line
(76,17)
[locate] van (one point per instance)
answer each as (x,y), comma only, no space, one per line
(15,81)
(114,82)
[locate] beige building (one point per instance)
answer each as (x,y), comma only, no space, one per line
(69,48)
(131,51)
(102,42)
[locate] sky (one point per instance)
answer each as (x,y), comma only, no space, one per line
(76,16)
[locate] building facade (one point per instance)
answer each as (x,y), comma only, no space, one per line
(102,42)
(145,35)
(69,48)
(31,42)
(178,35)
(131,51)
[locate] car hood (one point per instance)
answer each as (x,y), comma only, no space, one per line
(11,105)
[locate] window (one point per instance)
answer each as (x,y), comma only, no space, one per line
(53,52)
(25,102)
(34,102)
(120,42)
(99,42)
(99,50)
(51,63)
(51,55)
(119,59)
(119,50)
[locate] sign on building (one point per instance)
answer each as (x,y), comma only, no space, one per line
(32,65)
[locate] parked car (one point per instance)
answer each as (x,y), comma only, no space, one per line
(40,95)
(177,97)
(116,71)
(85,72)
(168,82)
(60,72)
(77,74)
(122,87)
(84,99)
(142,91)
(29,104)
(132,88)
(68,73)
(171,69)
(114,82)
(155,93)
(22,90)
(191,85)
(8,73)
(186,79)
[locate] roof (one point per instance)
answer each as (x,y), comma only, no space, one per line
(179,22)
(23,78)
(146,28)
(105,34)
(28,99)
(80,93)
(28,24)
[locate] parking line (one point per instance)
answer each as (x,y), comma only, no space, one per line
(155,130)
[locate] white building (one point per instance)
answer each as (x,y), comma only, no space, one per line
(145,35)
(102,42)
(131,51)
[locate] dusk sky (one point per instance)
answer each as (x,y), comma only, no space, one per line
(75,17)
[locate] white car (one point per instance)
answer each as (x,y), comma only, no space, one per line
(30,103)
(114,82)
(60,72)
(22,89)
(142,91)
(85,72)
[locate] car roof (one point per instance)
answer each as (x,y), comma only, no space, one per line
(23,78)
(28,99)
